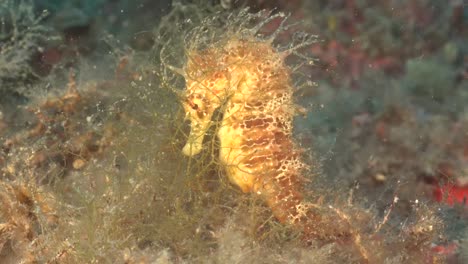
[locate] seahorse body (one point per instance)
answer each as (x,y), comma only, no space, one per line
(249,80)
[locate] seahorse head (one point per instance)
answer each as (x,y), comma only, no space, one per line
(206,89)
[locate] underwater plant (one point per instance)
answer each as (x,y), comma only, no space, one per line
(22,36)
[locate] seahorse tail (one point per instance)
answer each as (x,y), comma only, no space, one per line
(313,221)
(284,203)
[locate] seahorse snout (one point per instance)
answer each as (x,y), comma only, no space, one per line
(194,144)
(199,111)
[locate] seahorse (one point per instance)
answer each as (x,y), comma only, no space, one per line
(249,80)
(246,78)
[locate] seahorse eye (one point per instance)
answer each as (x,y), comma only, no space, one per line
(193,105)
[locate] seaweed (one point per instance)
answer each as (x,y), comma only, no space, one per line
(22,37)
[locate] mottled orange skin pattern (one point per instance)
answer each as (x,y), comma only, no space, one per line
(248,80)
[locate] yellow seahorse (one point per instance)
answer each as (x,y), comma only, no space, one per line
(251,82)
(240,73)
